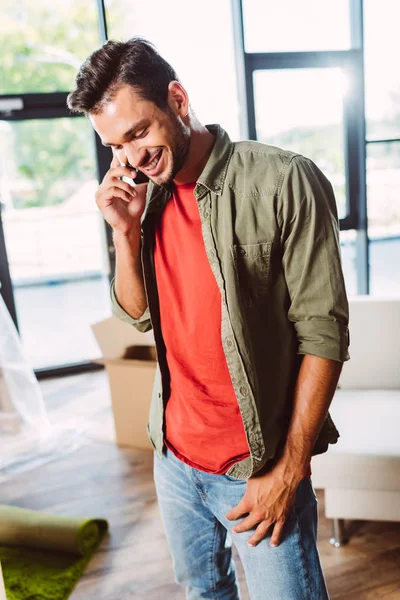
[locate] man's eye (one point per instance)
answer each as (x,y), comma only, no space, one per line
(141,134)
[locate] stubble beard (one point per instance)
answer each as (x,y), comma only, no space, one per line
(180,136)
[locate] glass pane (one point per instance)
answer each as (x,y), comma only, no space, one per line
(55,237)
(43,43)
(382,73)
(293,25)
(200,51)
(349,265)
(310,122)
(383,194)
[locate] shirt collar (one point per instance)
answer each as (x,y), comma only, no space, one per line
(212,177)
(214,173)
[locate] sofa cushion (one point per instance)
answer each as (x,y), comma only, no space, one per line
(374,344)
(368,422)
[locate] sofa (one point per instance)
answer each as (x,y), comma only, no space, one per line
(361,473)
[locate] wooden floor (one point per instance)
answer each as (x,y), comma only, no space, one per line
(100,479)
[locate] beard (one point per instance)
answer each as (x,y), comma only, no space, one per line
(179,148)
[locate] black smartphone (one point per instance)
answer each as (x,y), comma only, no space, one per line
(141,177)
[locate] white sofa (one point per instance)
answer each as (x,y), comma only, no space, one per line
(361,473)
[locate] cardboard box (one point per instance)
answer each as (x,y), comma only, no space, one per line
(130,361)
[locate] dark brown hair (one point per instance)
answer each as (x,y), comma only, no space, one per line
(135,62)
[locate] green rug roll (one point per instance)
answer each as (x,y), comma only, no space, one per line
(43,555)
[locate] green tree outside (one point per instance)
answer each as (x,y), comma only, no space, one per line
(42,46)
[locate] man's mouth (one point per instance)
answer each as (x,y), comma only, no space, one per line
(151,167)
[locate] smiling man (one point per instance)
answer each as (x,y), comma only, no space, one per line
(231,253)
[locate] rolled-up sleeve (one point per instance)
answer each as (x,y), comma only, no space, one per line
(142,324)
(308,220)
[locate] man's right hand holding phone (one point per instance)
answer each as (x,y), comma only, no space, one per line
(121,204)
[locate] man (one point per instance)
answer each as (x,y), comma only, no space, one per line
(233,259)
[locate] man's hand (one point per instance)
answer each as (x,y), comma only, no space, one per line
(269,499)
(121,204)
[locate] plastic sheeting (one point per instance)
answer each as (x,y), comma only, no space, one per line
(2,588)
(27,438)
(21,400)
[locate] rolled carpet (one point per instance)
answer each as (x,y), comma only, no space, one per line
(44,555)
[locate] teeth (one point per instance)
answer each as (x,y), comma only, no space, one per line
(153,163)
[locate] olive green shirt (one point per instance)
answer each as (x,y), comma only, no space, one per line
(270,231)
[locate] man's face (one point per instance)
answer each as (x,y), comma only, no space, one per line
(143,136)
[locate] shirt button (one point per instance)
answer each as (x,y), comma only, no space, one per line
(243,390)
(242,251)
(229,343)
(212,254)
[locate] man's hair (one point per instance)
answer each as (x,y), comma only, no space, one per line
(135,62)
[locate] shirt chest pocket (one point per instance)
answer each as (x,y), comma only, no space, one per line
(252,266)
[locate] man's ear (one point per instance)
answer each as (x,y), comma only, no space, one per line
(178,99)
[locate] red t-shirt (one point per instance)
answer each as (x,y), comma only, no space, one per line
(204,427)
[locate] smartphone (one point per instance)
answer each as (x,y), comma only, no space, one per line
(140,178)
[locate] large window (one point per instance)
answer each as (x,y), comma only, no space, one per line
(382,98)
(306,74)
(54,235)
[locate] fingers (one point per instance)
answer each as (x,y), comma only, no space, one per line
(113,192)
(262,529)
(120,171)
(249,522)
(277,533)
(260,533)
(123,185)
(238,511)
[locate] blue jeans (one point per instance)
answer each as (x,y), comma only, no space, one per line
(193,505)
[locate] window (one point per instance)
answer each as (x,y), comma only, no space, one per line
(42,44)
(382,75)
(382,99)
(383,193)
(296,25)
(197,41)
(302,110)
(349,260)
(55,237)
